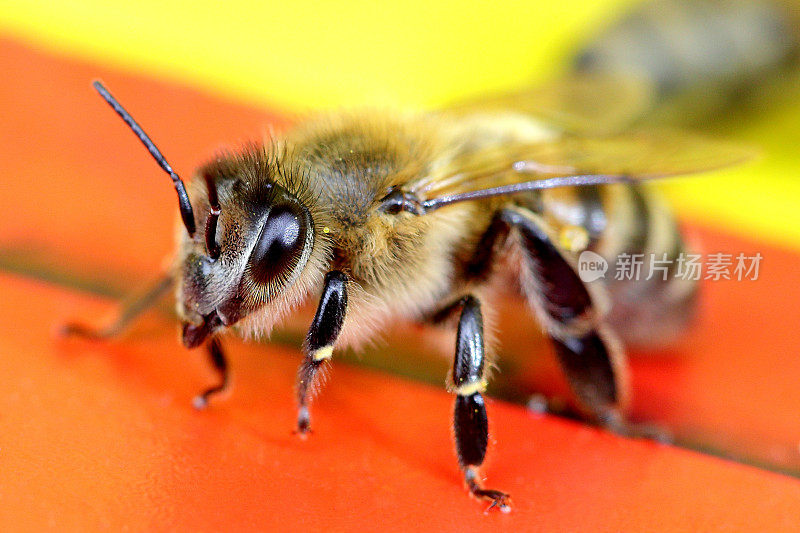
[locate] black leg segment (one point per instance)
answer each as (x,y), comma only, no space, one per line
(472,429)
(564,295)
(220,364)
(470,422)
(587,365)
(318,346)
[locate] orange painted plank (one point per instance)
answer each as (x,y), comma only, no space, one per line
(102,435)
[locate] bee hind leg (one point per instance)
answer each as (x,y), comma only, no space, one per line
(470,421)
(589,353)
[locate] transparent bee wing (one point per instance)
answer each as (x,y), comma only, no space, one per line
(578,103)
(574,161)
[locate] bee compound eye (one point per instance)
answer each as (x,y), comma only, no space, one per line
(280,244)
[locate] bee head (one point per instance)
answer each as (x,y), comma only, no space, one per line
(256,248)
(250,263)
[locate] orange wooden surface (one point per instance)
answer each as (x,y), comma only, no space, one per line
(102,434)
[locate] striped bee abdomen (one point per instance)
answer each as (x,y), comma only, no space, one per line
(651,295)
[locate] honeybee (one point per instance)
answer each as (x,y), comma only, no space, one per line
(701,58)
(387,216)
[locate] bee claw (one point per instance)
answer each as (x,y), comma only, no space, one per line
(499,500)
(302,433)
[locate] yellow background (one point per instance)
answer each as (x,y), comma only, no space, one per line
(297,55)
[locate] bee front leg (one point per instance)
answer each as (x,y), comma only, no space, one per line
(318,346)
(220,364)
(470,422)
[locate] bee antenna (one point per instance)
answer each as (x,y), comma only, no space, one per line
(184,204)
(213,216)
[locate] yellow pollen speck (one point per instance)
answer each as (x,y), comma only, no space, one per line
(573,238)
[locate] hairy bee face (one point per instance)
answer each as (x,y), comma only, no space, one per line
(251,255)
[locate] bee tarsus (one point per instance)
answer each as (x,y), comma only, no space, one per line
(497,499)
(470,421)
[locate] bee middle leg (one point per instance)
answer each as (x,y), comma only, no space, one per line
(468,382)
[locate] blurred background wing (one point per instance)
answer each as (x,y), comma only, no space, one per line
(632,156)
(582,103)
